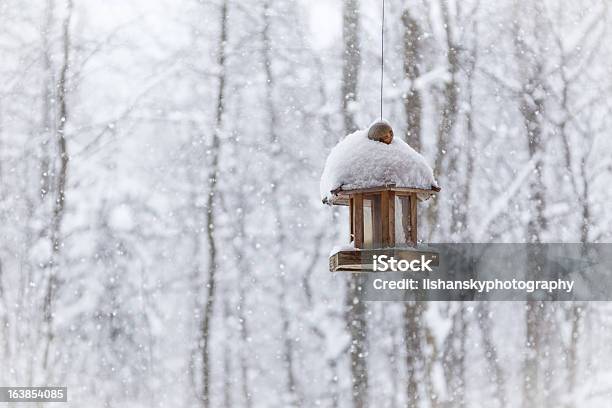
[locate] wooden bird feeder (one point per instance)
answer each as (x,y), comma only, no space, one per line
(392,177)
(383,220)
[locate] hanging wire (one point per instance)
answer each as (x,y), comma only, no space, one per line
(382,57)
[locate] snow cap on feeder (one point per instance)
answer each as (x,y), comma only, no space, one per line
(373,158)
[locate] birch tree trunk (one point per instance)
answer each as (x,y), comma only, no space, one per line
(4,313)
(355,307)
(496,373)
(293,397)
(47,123)
(245,388)
(412,100)
(209,307)
(351,61)
(413,311)
(413,316)
(60,185)
(531,108)
(448,116)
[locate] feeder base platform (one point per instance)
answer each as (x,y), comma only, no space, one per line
(362,260)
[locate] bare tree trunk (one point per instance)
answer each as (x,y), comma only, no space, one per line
(393,353)
(244,329)
(355,306)
(576,309)
(496,377)
(413,315)
(573,314)
(334,391)
(531,108)
(351,61)
(454,354)
(60,200)
(572,353)
(357,325)
(196,277)
(239,249)
(448,116)
(47,123)
(417,364)
(412,100)
(4,311)
(454,357)
(531,364)
(585,203)
(294,397)
(462,213)
(227,363)
(210,210)
(4,334)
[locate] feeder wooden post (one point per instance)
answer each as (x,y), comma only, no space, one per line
(352,221)
(405,219)
(413,218)
(358,220)
(391,218)
(377,219)
(384,214)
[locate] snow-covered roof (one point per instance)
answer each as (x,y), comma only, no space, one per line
(358,162)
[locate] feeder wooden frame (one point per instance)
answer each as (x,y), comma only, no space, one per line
(383,224)
(383,213)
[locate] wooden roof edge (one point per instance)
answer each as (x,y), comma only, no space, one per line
(340,197)
(391,187)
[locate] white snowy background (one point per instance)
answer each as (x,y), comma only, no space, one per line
(162,238)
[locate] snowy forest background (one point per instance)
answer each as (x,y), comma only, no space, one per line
(162,238)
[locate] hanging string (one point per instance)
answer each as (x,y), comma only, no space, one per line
(382,57)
